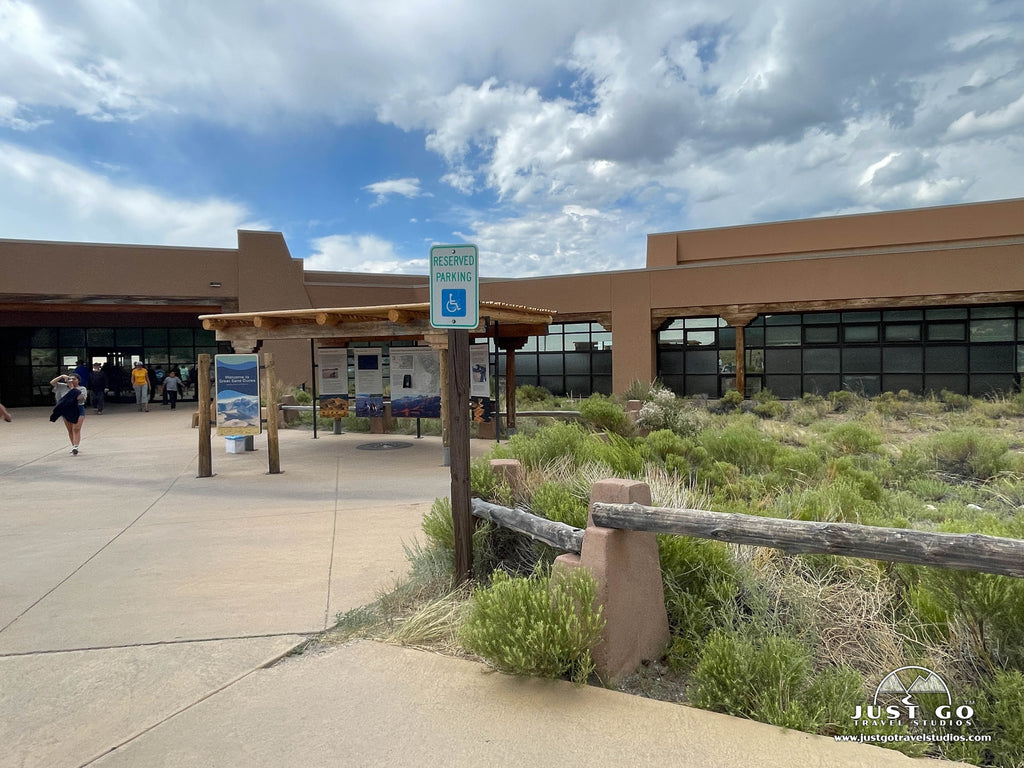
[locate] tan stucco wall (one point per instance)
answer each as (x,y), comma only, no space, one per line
(942,224)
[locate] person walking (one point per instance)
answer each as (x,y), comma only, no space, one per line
(172,385)
(141,384)
(4,413)
(97,387)
(70,407)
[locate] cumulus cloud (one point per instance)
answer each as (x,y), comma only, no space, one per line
(361,253)
(48,199)
(405,187)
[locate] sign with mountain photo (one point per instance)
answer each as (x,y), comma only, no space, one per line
(238,394)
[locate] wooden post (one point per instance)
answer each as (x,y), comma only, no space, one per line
(510,388)
(270,394)
(458,402)
(741,361)
(203,405)
(446,406)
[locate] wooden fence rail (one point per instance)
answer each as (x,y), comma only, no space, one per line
(557,535)
(959,551)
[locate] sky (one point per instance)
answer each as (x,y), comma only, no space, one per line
(555,136)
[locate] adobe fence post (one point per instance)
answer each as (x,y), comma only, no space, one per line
(627,569)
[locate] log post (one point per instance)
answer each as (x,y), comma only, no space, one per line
(458,415)
(739,321)
(203,406)
(270,393)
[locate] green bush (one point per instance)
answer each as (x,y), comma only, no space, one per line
(557,502)
(852,438)
(605,414)
(968,453)
(542,626)
(558,441)
(741,444)
(771,681)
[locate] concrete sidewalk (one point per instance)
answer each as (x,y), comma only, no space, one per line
(146,617)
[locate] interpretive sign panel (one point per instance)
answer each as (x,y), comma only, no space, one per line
(415,382)
(238,394)
(333,381)
(369,375)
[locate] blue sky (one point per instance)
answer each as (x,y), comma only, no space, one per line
(555,136)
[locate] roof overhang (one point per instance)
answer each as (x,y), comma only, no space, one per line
(378,323)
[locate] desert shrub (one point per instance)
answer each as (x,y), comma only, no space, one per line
(842,400)
(768,406)
(557,502)
(852,438)
(486,484)
(552,442)
(742,444)
(771,681)
(730,402)
(543,625)
(983,612)
(954,400)
(968,453)
(302,397)
(664,442)
(530,393)
(701,585)
(603,413)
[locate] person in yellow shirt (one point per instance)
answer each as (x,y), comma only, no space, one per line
(141,384)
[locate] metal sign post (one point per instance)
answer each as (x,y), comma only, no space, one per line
(455,305)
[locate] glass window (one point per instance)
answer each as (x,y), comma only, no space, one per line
(44,337)
(903,333)
(180,337)
(947,332)
(702,322)
(72,337)
(821,361)
(182,356)
(783,336)
(937,383)
(754,337)
(702,362)
(821,318)
(862,360)
(727,338)
(786,387)
(896,315)
(822,384)
(550,364)
(861,317)
(129,337)
(782,361)
(910,382)
(601,362)
(671,362)
(603,385)
(983,385)
(755,361)
(992,359)
(946,313)
(945,360)
(902,359)
(578,385)
(45,357)
(868,386)
(702,385)
(992,330)
(1020,359)
(860,333)
(828,334)
(576,328)
(793,319)
(577,364)
(982,312)
(727,361)
(155,337)
(700,338)
(670,337)
(100,337)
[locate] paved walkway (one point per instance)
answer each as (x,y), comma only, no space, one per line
(147,616)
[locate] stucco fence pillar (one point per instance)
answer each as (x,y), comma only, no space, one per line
(627,571)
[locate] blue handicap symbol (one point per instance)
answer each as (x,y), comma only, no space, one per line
(453,302)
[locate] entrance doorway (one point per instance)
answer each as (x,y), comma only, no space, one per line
(117,363)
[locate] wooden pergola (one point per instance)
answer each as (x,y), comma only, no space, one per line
(510,325)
